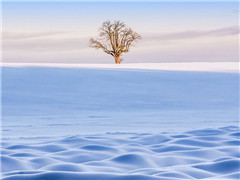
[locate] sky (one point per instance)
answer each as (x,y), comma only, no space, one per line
(173,31)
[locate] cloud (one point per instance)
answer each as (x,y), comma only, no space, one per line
(68,41)
(227,31)
(16,36)
(45,43)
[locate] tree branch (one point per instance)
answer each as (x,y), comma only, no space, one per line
(115,38)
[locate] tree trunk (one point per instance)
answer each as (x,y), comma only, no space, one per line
(117,60)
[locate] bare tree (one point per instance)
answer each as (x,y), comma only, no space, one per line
(114,39)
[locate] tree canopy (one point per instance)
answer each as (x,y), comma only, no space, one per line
(114,39)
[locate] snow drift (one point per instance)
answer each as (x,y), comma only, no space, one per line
(198,154)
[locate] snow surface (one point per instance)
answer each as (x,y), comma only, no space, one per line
(105,123)
(199,154)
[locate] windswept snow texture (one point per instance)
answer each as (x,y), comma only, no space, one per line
(119,124)
(198,154)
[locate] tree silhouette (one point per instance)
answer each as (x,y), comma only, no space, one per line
(114,39)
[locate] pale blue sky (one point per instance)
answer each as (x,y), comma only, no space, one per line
(171,31)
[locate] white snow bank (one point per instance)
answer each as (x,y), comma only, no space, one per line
(186,66)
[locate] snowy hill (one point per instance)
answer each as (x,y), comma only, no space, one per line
(98,122)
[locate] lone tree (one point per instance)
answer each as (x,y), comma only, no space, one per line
(114,39)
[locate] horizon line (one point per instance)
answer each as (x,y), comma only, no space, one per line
(117,1)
